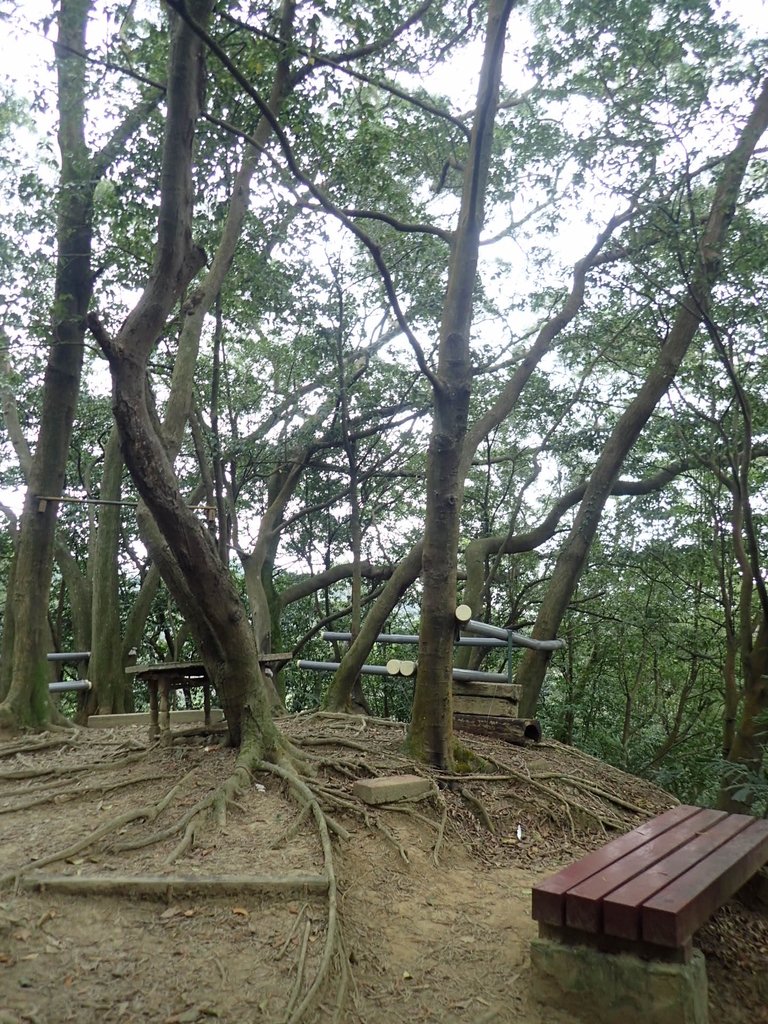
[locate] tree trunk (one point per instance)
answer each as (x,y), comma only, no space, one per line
(430,736)
(26,702)
(690,315)
(202,586)
(106,665)
(751,736)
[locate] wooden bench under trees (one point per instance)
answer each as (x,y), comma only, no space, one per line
(649,891)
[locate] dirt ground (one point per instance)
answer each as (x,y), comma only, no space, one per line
(425,942)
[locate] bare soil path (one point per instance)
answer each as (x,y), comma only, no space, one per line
(425,941)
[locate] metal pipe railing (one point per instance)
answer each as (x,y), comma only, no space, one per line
(69,684)
(518,639)
(412,638)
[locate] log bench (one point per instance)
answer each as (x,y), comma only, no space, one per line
(645,894)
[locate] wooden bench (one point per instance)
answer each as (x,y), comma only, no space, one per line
(649,891)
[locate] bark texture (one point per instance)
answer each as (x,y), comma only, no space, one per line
(431,732)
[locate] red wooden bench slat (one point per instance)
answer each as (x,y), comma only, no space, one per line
(675,913)
(584,902)
(621,908)
(548,896)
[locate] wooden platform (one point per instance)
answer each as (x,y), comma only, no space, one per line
(651,889)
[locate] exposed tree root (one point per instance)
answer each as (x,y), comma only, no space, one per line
(62,770)
(61,793)
(406,807)
(349,769)
(478,808)
(148,812)
(331,741)
(299,918)
(163,886)
(590,787)
(32,746)
(568,802)
(292,829)
(362,721)
(333,948)
(306,990)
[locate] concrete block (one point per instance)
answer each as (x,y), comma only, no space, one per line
(142,718)
(603,988)
(391,788)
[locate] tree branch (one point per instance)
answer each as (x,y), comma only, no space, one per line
(373,247)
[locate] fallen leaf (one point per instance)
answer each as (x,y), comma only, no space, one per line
(169,913)
(186,1017)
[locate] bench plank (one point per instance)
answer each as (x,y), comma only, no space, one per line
(684,905)
(548,896)
(584,902)
(621,908)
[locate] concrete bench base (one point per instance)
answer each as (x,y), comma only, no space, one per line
(143,718)
(603,988)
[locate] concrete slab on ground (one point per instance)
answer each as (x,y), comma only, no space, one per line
(390,788)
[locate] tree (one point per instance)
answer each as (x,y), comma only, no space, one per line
(691,312)
(26,702)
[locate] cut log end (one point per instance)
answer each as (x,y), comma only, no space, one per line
(510,730)
(463,614)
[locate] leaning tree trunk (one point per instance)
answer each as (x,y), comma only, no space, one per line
(430,736)
(690,315)
(202,587)
(751,734)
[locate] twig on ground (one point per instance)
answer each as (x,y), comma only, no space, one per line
(62,770)
(32,746)
(73,792)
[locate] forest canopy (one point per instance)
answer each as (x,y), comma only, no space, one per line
(331,318)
